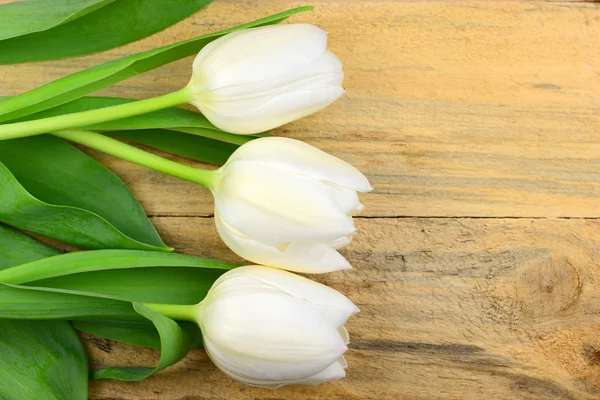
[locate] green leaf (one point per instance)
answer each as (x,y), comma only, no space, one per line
(19,302)
(92,79)
(181,279)
(25,17)
(173,285)
(17,248)
(103,260)
(133,332)
(41,360)
(183,144)
(174,342)
(168,285)
(51,188)
(68,28)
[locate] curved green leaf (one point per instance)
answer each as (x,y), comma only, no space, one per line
(51,188)
(133,332)
(104,25)
(41,360)
(20,302)
(103,260)
(180,279)
(25,17)
(170,285)
(174,343)
(17,248)
(95,78)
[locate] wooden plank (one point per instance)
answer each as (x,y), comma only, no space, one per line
(453,108)
(467,308)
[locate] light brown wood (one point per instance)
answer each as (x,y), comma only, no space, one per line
(450,309)
(454,109)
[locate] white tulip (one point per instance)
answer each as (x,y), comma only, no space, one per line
(283,203)
(270,328)
(253,80)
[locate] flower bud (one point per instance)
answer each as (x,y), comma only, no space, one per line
(270,328)
(253,80)
(283,203)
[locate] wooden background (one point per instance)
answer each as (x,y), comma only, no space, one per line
(477,265)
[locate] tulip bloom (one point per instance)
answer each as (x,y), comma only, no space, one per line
(283,203)
(270,328)
(278,202)
(257,79)
(245,82)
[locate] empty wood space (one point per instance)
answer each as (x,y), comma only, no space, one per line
(477,264)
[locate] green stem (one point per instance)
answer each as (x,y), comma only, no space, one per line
(74,120)
(175,311)
(138,156)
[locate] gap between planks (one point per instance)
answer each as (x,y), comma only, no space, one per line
(209,216)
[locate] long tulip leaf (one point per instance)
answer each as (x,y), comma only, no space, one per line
(103,260)
(35,303)
(168,285)
(95,78)
(20,302)
(173,285)
(125,274)
(41,30)
(51,188)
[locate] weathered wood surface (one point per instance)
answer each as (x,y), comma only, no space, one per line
(454,109)
(450,309)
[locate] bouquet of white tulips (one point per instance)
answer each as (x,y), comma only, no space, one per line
(279,203)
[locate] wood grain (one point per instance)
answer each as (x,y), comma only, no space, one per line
(484,109)
(452,109)
(450,309)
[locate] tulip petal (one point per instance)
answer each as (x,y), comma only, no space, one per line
(303,159)
(333,306)
(347,200)
(257,54)
(307,257)
(340,242)
(278,111)
(276,207)
(334,372)
(267,335)
(344,334)
(325,72)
